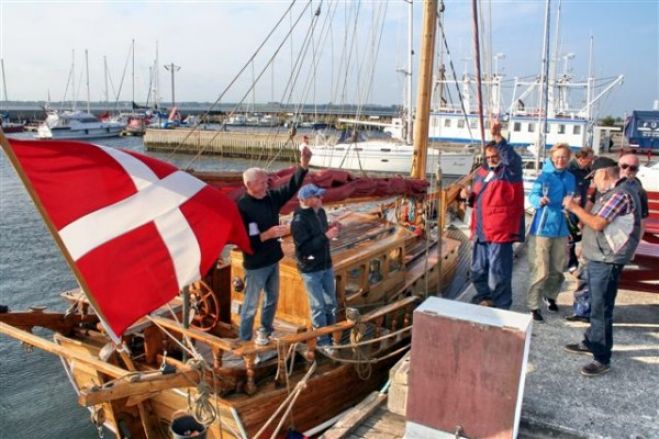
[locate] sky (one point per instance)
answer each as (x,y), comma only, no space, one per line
(213,40)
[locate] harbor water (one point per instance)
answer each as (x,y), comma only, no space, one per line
(37,400)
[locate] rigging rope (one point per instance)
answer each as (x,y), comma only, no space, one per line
(477,60)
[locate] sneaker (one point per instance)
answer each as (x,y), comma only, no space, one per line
(578,348)
(595,368)
(537,316)
(551,304)
(487,302)
(327,350)
(577,318)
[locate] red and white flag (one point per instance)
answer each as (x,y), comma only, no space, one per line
(136,229)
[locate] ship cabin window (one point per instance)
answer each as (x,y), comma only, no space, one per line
(517,127)
(447,123)
(561,129)
(473,123)
(339,148)
(395,259)
(354,279)
(576,130)
(358,149)
(375,267)
(385,149)
(531,127)
(461,123)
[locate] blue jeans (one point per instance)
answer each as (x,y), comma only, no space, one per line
(322,300)
(492,272)
(267,279)
(603,287)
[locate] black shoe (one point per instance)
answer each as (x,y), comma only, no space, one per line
(577,318)
(578,348)
(537,316)
(551,304)
(595,368)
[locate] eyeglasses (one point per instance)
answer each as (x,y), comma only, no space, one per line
(630,167)
(491,157)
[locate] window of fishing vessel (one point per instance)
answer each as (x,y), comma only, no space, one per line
(385,149)
(517,127)
(576,130)
(561,129)
(447,123)
(355,279)
(531,127)
(395,259)
(473,123)
(375,270)
(461,123)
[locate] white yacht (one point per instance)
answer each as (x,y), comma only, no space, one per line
(388,157)
(76,125)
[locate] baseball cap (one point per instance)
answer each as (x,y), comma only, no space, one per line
(310,190)
(601,163)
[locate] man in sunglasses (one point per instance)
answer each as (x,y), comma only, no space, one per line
(611,233)
(497,220)
(629,165)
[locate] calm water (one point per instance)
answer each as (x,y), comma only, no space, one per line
(36,398)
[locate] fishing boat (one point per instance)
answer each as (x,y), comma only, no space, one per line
(179,369)
(8,126)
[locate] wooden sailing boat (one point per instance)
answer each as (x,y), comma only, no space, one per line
(383,271)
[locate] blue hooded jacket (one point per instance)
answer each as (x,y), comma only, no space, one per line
(549,221)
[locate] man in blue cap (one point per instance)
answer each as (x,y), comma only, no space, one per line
(312,235)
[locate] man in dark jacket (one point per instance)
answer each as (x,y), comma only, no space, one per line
(580,168)
(259,209)
(497,220)
(312,235)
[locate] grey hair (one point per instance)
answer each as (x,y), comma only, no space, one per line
(252,174)
(634,156)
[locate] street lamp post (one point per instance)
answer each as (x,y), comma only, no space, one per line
(172,68)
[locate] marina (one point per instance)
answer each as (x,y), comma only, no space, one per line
(298,246)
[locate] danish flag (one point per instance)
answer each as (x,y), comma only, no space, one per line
(136,230)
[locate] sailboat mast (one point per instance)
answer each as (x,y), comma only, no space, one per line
(87,80)
(543,86)
(133,72)
(73,79)
(479,77)
(105,70)
(424,89)
(4,80)
(410,51)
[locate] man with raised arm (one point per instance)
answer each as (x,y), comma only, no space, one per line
(259,208)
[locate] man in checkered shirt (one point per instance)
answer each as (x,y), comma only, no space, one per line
(611,233)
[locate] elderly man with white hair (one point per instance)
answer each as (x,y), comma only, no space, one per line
(629,165)
(259,209)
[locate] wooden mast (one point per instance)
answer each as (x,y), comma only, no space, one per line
(424,89)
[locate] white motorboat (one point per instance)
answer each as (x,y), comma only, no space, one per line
(77,125)
(389,157)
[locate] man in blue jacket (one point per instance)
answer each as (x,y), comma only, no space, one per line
(549,232)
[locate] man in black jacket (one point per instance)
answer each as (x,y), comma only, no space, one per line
(259,209)
(312,235)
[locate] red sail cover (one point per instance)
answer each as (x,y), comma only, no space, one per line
(137,229)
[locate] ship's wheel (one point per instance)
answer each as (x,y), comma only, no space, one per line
(204,306)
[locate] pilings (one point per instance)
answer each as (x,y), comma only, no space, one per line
(228,144)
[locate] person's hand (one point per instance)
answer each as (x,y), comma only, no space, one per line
(305,157)
(332,232)
(465,192)
(544,201)
(569,203)
(276,232)
(495,128)
(336,224)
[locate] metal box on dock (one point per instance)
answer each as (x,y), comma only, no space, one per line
(467,371)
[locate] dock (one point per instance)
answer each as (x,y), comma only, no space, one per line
(251,145)
(558,401)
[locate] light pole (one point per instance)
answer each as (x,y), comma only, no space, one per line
(172,68)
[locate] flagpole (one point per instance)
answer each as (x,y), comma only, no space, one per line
(6,147)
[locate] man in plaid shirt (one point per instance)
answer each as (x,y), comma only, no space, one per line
(611,233)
